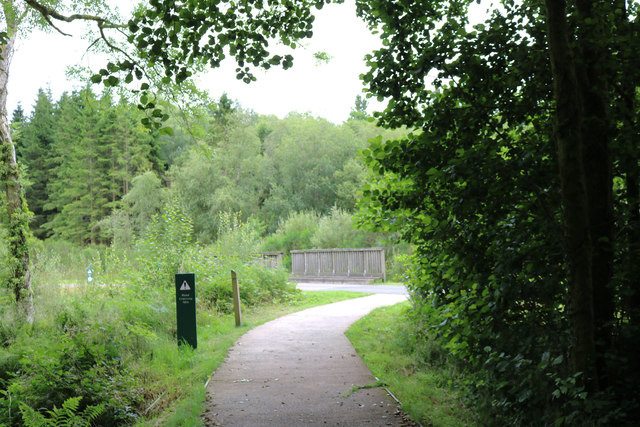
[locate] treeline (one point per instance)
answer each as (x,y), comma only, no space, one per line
(80,156)
(95,175)
(225,185)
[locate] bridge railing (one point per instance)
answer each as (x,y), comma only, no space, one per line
(360,262)
(271,259)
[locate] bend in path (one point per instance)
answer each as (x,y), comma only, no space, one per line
(300,370)
(370,288)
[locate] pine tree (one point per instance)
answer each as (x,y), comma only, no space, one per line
(128,149)
(75,190)
(18,115)
(33,148)
(99,149)
(18,123)
(359,112)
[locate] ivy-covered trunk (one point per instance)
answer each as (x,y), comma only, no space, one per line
(17,213)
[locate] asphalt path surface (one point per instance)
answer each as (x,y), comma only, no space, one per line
(301,369)
(370,289)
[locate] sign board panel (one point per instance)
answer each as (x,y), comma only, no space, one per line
(186,309)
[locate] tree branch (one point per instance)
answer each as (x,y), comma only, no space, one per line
(49,13)
(48,19)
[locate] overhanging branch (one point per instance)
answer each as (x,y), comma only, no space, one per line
(48,14)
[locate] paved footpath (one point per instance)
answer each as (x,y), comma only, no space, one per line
(299,370)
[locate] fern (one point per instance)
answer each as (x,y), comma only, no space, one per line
(66,416)
(31,417)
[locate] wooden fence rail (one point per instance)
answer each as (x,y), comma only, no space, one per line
(363,262)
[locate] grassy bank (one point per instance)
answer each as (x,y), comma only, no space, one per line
(417,372)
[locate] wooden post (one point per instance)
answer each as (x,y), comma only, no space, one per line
(333,262)
(305,263)
(236,298)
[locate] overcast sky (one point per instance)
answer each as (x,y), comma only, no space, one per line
(327,90)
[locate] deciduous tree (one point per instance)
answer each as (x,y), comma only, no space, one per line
(507,186)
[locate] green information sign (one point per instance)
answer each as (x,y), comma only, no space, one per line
(186,309)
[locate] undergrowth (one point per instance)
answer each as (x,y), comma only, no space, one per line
(106,352)
(115,348)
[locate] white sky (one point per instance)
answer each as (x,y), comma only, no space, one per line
(327,90)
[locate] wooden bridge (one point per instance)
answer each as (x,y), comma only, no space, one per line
(338,265)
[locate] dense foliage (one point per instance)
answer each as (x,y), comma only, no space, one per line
(99,344)
(95,175)
(519,185)
(483,187)
(129,203)
(81,156)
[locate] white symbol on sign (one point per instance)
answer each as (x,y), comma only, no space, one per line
(185,286)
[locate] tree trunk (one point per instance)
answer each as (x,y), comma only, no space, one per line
(632,300)
(571,153)
(630,168)
(17,211)
(596,135)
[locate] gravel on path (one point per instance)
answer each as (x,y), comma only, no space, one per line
(301,369)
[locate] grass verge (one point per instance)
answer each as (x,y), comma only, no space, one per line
(413,371)
(181,393)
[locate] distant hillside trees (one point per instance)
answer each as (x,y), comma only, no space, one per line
(96,175)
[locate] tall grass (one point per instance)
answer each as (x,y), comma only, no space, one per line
(113,342)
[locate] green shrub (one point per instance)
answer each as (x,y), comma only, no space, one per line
(258,284)
(237,239)
(295,232)
(161,251)
(398,259)
(76,352)
(338,230)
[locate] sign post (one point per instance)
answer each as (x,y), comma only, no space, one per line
(89,274)
(186,309)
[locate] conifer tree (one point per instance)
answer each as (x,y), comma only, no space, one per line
(99,149)
(76,190)
(18,115)
(33,149)
(129,148)
(18,122)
